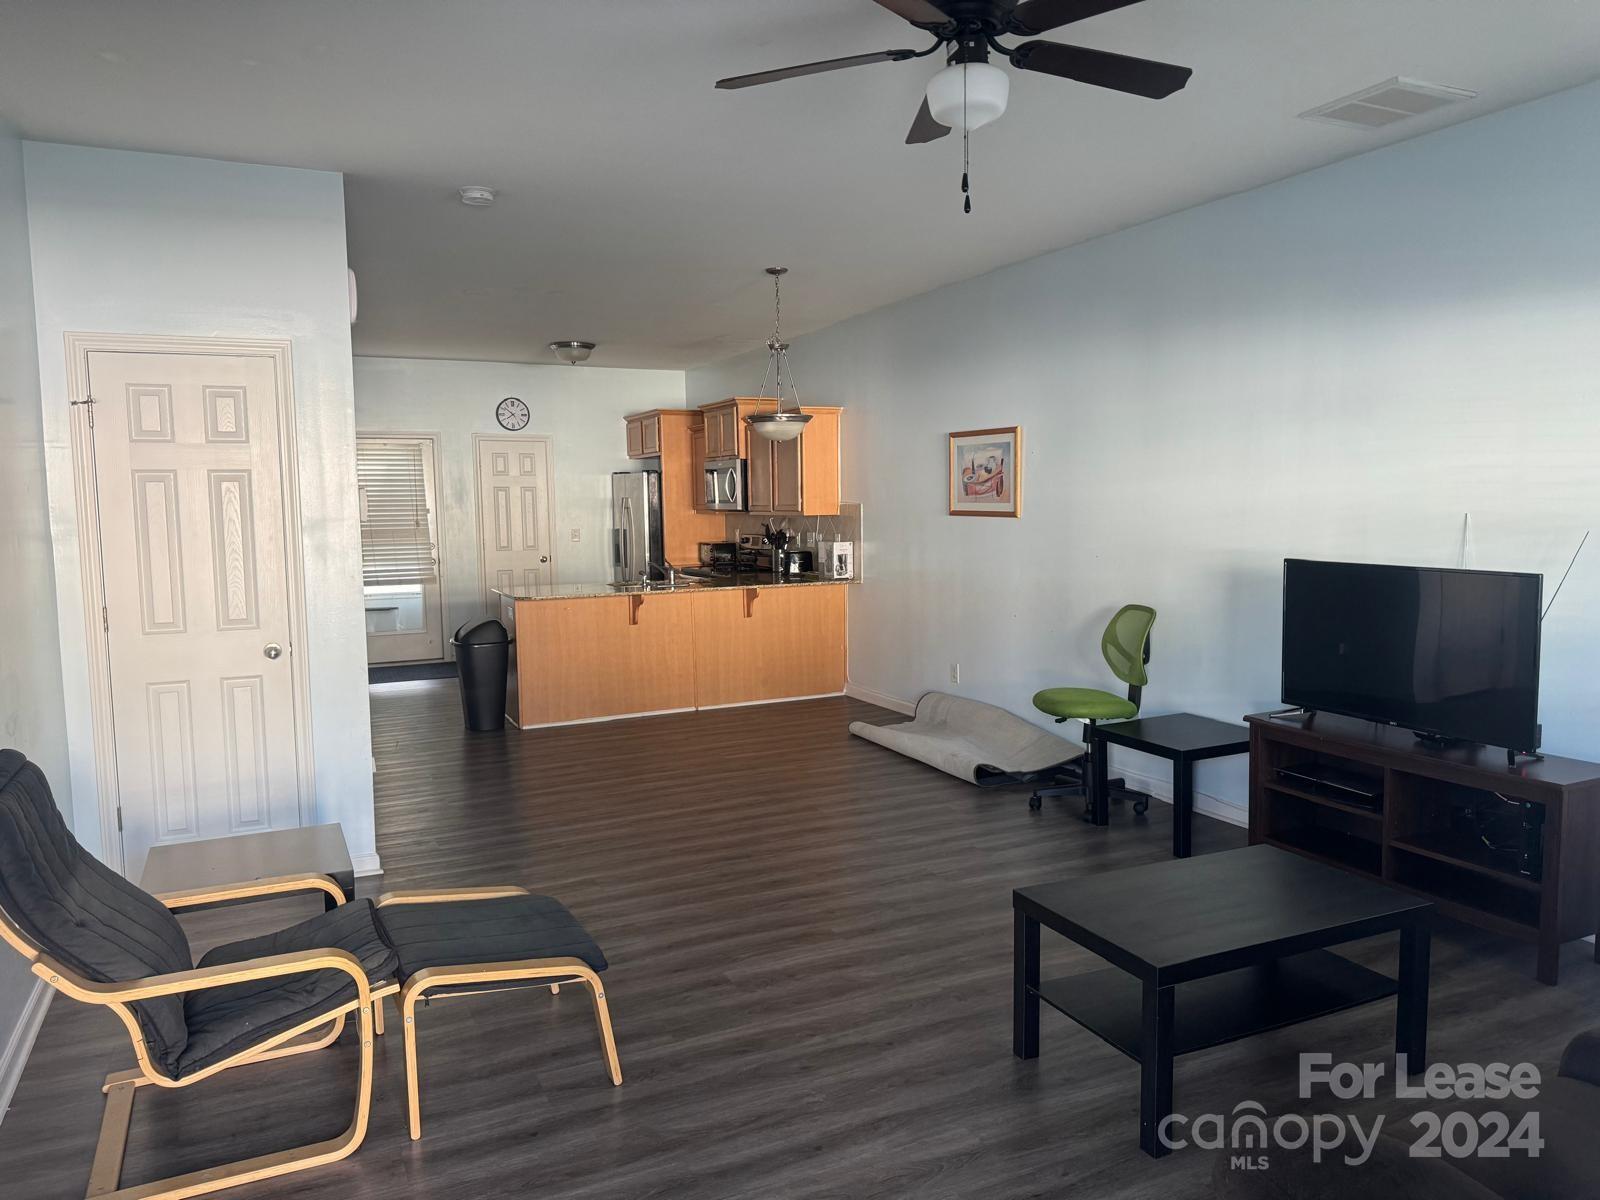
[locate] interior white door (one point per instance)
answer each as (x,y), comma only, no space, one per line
(189,488)
(400,548)
(514,522)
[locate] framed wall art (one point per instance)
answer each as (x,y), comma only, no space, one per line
(986,472)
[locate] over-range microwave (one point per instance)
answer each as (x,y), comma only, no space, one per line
(724,484)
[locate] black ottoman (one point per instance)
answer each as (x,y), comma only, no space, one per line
(487,939)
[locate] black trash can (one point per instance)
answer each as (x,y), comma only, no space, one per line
(483,660)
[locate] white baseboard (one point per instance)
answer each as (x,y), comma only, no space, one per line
(771,700)
(628,716)
(881,699)
(20,1044)
(1160,788)
(365,864)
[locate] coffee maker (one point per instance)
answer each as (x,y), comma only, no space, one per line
(836,560)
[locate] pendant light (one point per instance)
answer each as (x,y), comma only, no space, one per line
(785,424)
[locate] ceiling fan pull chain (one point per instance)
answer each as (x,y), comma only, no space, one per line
(966,134)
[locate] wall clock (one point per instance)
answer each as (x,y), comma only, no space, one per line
(512,414)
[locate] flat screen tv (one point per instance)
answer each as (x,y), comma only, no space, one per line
(1449,654)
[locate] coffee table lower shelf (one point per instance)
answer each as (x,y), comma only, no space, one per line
(1219,1008)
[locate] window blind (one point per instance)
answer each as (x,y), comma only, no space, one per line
(396,533)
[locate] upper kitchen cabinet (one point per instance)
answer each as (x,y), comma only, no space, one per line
(644,435)
(684,522)
(800,477)
(726,435)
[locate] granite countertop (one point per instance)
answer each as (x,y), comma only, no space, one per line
(690,583)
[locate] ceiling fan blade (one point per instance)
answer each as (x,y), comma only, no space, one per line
(925,128)
(1139,76)
(816,68)
(918,12)
(1033,17)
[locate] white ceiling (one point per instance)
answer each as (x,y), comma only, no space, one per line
(638,205)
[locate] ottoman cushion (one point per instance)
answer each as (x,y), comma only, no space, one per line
(468,932)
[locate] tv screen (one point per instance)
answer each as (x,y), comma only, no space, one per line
(1449,653)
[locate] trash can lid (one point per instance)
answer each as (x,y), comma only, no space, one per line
(480,633)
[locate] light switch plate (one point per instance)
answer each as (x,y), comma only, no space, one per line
(577,535)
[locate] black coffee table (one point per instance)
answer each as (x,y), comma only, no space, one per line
(1211,949)
(1183,739)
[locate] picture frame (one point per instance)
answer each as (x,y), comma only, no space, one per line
(986,472)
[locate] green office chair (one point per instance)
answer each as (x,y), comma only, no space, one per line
(1126,646)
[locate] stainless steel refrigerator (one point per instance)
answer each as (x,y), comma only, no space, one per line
(637,550)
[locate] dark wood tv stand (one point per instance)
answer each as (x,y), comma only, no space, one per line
(1417,840)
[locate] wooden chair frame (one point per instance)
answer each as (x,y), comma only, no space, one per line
(120,1087)
(487,976)
(254,889)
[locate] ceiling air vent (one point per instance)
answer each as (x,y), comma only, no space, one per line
(1387,102)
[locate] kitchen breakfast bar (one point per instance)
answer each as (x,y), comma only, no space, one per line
(587,652)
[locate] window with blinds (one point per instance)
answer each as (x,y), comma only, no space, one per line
(396,533)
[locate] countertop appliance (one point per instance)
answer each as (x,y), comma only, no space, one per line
(637,549)
(794,562)
(722,556)
(836,560)
(725,485)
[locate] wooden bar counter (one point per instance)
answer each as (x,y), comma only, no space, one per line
(588,652)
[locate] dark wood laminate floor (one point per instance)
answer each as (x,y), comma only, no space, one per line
(811,949)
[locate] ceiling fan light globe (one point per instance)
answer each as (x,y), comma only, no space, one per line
(987,89)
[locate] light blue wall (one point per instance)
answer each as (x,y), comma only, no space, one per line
(1338,365)
(32,718)
(160,244)
(581,411)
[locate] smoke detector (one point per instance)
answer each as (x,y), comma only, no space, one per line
(477,196)
(1387,102)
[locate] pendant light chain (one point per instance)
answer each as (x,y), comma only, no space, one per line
(777,352)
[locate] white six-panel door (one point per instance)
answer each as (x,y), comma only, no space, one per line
(189,487)
(514,522)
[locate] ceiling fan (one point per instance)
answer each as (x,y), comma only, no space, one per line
(970,92)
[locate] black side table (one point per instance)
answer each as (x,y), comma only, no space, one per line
(1183,739)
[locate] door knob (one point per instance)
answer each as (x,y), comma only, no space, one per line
(272,650)
(544,558)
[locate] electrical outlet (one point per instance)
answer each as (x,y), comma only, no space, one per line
(577,535)
(955,672)
(808,538)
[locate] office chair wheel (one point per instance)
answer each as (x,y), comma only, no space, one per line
(1141,806)
(1035,802)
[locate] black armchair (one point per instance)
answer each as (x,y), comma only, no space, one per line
(97,938)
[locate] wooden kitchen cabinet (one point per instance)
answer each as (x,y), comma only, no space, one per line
(758,493)
(798,478)
(726,433)
(644,435)
(588,657)
(697,464)
(771,643)
(685,521)
(603,656)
